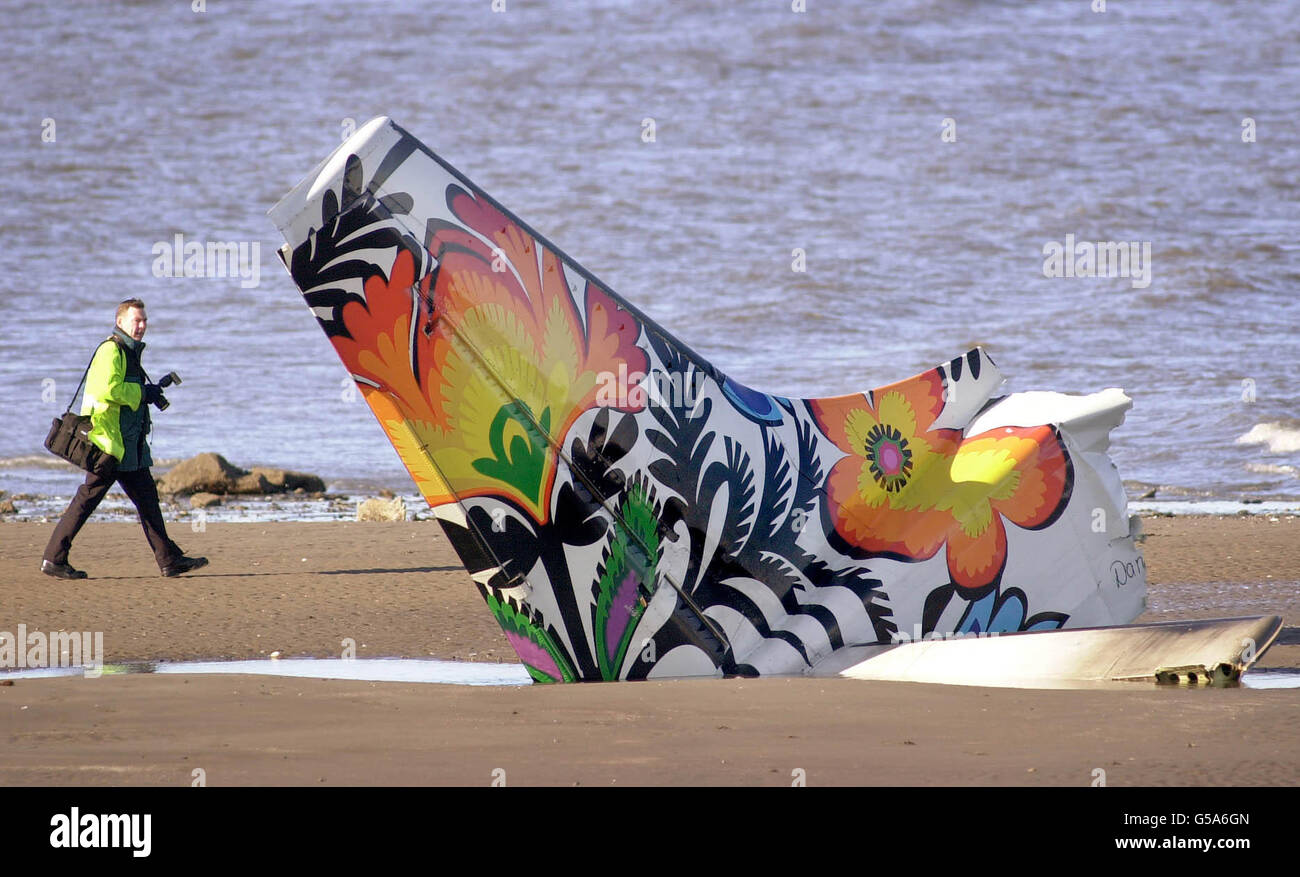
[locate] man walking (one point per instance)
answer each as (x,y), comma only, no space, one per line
(117,398)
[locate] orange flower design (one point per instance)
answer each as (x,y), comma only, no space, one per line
(906,490)
(498,365)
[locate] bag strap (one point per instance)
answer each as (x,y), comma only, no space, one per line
(71,401)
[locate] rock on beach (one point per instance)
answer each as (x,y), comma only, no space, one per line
(214,474)
(382,510)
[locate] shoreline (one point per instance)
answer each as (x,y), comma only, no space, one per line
(398,590)
(42,499)
(332,506)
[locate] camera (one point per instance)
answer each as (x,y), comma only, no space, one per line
(166,381)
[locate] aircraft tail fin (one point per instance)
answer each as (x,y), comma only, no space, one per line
(627,510)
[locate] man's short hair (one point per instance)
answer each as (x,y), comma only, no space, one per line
(126,306)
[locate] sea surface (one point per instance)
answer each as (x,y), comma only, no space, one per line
(921,153)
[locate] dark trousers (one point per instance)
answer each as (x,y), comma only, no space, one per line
(139,489)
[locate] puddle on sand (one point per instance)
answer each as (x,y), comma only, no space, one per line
(443,672)
(1271,677)
(363,669)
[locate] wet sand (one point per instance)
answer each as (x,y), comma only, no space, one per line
(397,590)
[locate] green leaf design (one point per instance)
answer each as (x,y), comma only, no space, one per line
(625,583)
(525,464)
(518,626)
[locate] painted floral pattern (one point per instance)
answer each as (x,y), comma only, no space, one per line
(906,490)
(670,536)
(477,394)
(627,579)
(544,660)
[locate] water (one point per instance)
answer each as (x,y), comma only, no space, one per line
(455,672)
(1272,677)
(364,669)
(774,130)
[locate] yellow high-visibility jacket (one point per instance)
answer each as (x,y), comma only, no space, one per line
(108,392)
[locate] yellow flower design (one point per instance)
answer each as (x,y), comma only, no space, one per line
(906,490)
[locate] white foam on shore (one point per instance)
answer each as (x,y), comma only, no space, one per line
(1272,469)
(36,461)
(280,508)
(1281,438)
(1214,507)
(285,508)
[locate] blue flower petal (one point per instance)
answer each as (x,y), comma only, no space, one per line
(977,616)
(1010,615)
(753,404)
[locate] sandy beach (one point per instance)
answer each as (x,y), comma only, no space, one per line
(398,591)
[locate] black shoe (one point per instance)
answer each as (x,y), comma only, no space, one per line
(61,570)
(184,565)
